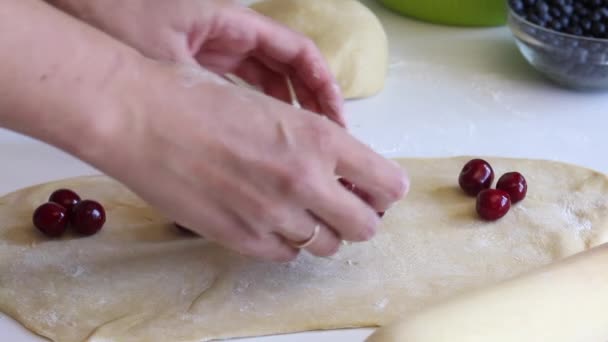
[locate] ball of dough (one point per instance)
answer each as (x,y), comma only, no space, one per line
(564,301)
(349,35)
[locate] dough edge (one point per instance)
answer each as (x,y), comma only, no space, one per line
(287,330)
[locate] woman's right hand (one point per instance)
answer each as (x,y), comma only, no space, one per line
(242,169)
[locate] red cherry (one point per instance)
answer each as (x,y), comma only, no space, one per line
(51,219)
(66,198)
(475,176)
(493,204)
(362,194)
(88,217)
(514,184)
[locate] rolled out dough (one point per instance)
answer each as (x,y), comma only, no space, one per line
(562,302)
(348,34)
(141,280)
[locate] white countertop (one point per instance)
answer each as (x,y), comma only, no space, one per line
(450,91)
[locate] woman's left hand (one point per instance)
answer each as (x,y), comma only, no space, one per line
(224,37)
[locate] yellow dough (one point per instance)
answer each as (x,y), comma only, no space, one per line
(348,34)
(142,280)
(562,302)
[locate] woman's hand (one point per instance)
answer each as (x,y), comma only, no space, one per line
(224,37)
(245,170)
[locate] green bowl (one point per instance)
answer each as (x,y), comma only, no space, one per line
(453,12)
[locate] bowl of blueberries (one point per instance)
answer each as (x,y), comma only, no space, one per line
(565,40)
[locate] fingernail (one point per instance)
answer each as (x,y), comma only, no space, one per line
(372,228)
(405,185)
(336,88)
(405,179)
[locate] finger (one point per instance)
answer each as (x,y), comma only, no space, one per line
(271,247)
(306,99)
(300,54)
(351,218)
(233,233)
(325,243)
(259,75)
(383,180)
(364,196)
(187,231)
(279,88)
(218,62)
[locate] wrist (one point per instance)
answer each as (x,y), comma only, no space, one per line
(93,123)
(61,85)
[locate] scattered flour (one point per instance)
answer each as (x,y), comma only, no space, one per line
(381,304)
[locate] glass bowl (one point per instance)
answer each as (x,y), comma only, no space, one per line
(569,60)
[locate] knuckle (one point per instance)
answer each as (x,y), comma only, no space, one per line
(319,133)
(298,178)
(306,182)
(271,215)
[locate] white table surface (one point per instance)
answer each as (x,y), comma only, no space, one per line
(450,91)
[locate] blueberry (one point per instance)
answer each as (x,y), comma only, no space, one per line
(556,25)
(577,31)
(542,8)
(536,20)
(567,9)
(556,12)
(517,6)
(595,3)
(579,17)
(586,24)
(598,29)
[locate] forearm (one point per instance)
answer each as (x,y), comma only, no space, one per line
(159,29)
(73,7)
(88,10)
(60,80)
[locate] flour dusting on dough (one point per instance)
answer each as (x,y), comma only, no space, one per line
(137,281)
(381,304)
